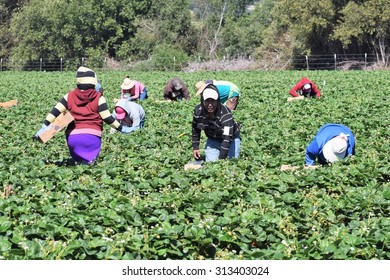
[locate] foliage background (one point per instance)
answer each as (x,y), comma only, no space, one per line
(134,30)
(139,203)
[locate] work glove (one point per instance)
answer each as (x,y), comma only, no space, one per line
(127,96)
(98,88)
(43,129)
(127,129)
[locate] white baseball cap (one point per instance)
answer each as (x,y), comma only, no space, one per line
(307,86)
(335,149)
(210,93)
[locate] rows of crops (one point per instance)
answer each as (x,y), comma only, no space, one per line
(137,202)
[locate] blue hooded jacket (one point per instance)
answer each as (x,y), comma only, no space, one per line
(324,134)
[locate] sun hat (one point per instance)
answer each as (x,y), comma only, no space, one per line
(200,87)
(127,84)
(176,84)
(335,149)
(86,76)
(120,113)
(307,86)
(210,93)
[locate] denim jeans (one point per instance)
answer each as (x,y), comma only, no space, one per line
(143,95)
(213,148)
(142,123)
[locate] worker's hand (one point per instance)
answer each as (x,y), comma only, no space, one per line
(196,154)
(43,129)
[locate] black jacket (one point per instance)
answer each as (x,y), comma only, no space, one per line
(221,127)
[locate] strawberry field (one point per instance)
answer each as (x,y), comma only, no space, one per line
(137,202)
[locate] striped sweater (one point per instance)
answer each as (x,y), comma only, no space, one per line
(221,128)
(88,108)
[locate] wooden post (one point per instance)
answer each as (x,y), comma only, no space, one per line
(307,62)
(365,60)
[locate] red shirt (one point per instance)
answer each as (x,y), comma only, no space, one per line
(295,91)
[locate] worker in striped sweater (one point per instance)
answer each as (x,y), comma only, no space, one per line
(89,109)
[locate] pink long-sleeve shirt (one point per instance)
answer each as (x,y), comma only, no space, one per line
(135,90)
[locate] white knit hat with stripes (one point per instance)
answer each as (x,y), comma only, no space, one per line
(85,76)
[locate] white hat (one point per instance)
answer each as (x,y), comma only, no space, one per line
(210,93)
(335,149)
(127,84)
(307,86)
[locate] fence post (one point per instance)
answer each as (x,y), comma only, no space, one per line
(61,63)
(1,64)
(40,64)
(365,60)
(335,62)
(82,61)
(307,62)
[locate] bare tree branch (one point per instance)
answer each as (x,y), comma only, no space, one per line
(214,44)
(147,26)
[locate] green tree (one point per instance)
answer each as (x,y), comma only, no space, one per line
(296,28)
(367,22)
(168,57)
(212,18)
(53,28)
(57,28)
(120,29)
(306,22)
(7,7)
(166,22)
(242,35)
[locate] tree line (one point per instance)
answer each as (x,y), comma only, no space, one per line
(136,30)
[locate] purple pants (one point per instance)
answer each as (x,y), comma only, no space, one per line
(84,148)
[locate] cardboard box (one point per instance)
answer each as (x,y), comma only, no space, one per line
(59,123)
(286,167)
(9,103)
(289,99)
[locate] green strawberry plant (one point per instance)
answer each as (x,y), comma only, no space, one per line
(137,202)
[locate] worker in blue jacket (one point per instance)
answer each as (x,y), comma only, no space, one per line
(332,142)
